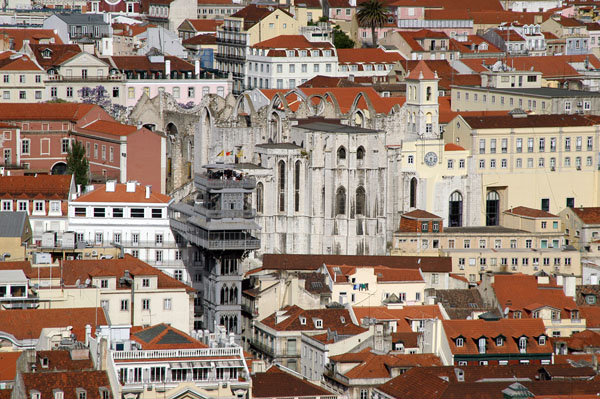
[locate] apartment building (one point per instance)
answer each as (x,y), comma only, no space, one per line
(581,227)
(250,25)
(133,218)
(43,197)
(130,291)
(536,297)
(11,151)
(218,9)
(423,44)
(572,31)
(489,342)
(374,286)
(277,338)
(15,237)
(512,152)
(518,40)
(22,78)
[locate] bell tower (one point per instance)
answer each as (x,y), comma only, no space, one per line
(422,102)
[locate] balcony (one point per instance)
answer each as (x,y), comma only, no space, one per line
(177,353)
(226,213)
(213,183)
(216,245)
(61,78)
(270,351)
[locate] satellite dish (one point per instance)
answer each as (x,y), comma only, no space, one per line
(77,282)
(87,282)
(506,310)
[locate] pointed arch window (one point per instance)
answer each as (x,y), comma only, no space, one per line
(341,154)
(297,170)
(360,153)
(413,192)
(281,186)
(492,209)
(361,201)
(259,197)
(340,201)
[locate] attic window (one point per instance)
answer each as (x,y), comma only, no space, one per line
(35,394)
(542,340)
(47,53)
(460,342)
(499,341)
(302,320)
(81,393)
(590,299)
(104,393)
(342,319)
(44,362)
(318,323)
(58,394)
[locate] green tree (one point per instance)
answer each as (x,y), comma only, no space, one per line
(341,39)
(372,14)
(77,163)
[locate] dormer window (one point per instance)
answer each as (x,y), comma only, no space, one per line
(44,362)
(342,319)
(58,394)
(523,344)
(499,341)
(46,53)
(303,320)
(104,393)
(481,345)
(517,314)
(318,323)
(460,342)
(81,393)
(574,314)
(590,299)
(34,394)
(542,340)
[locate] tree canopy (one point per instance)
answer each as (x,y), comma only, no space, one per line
(77,163)
(372,14)
(341,39)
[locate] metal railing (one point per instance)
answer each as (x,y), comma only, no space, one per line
(177,353)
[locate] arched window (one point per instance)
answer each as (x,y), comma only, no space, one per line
(223,295)
(360,153)
(428,123)
(233,295)
(523,344)
(413,192)
(259,197)
(428,93)
(297,170)
(341,154)
(360,201)
(492,209)
(323,201)
(281,186)
(340,201)
(455,206)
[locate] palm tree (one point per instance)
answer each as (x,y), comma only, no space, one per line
(372,14)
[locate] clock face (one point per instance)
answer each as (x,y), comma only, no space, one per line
(430,158)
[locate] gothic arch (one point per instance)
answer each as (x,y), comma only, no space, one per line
(206,121)
(340,201)
(455,209)
(275,127)
(370,107)
(413,193)
(319,107)
(241,103)
(336,105)
(361,201)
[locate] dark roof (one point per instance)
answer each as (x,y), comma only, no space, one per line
(12,224)
(530,121)
(315,283)
(59,53)
(143,63)
(334,128)
(459,304)
(277,383)
(548,92)
(313,262)
(162,336)
(83,19)
(252,14)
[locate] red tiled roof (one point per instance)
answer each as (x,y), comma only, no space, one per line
(420,214)
(46,185)
(120,194)
(453,147)
(591,314)
(384,274)
(11,61)
(522,293)
(530,212)
(68,382)
(110,127)
(200,39)
(205,25)
(372,365)
(510,329)
(549,66)
(550,36)
(252,14)
(414,384)
(368,55)
(8,365)
(291,42)
(275,383)
(28,323)
(333,319)
(34,35)
(314,262)
(140,63)
(44,111)
(530,121)
(422,71)
(59,53)
(60,360)
(588,215)
(572,22)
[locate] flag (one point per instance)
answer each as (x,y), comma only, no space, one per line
(228,153)
(221,154)
(240,153)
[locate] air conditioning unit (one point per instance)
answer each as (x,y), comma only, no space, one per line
(514,268)
(552,169)
(579,168)
(482,268)
(94,253)
(536,268)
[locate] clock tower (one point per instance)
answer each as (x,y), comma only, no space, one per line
(422,108)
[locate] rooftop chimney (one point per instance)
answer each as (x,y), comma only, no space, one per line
(148,191)
(111,186)
(131,186)
(167,69)
(197,69)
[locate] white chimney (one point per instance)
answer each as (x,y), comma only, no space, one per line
(197,69)
(148,191)
(131,186)
(168,69)
(111,185)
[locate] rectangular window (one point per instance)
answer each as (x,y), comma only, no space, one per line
(99,212)
(156,213)
(137,212)
(167,304)
(519,145)
(124,304)
(145,304)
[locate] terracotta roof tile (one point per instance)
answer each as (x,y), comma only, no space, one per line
(342,274)
(530,212)
(588,215)
(206,25)
(59,53)
(11,61)
(379,366)
(253,13)
(8,365)
(314,262)
(278,383)
(522,293)
(109,127)
(141,63)
(30,186)
(120,194)
(332,319)
(402,315)
(420,214)
(45,111)
(60,360)
(415,385)
(530,121)
(368,55)
(292,42)
(68,382)
(201,39)
(591,314)
(453,147)
(28,324)
(34,35)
